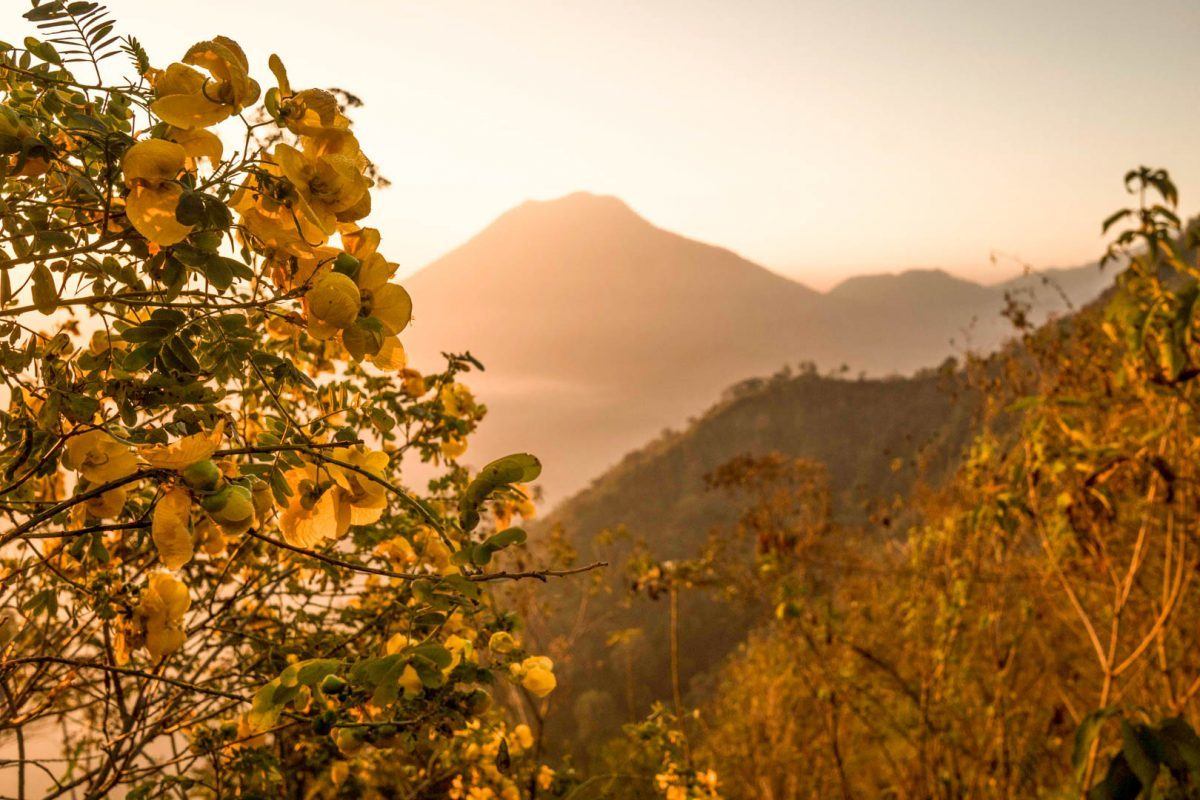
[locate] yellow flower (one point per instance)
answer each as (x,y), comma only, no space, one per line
(398,551)
(460,650)
(438,555)
(413,383)
(502,642)
(348,288)
(98,457)
(307,112)
(184,452)
(187,98)
(171,528)
(396,644)
(365,497)
(537,675)
(387,302)
(102,342)
(164,602)
(410,681)
(210,536)
(518,503)
(312,112)
(329,187)
(314,512)
(457,400)
(307,268)
(150,168)
(453,447)
(391,356)
(522,737)
(107,505)
(197,143)
(266,222)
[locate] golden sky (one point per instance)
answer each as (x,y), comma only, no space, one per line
(821,139)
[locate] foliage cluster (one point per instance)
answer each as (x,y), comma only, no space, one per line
(215,582)
(1034,633)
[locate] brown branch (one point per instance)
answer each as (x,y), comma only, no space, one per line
(70,502)
(537,574)
(127,671)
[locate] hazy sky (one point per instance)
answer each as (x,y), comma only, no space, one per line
(819,138)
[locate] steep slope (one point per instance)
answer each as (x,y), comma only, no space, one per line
(873,434)
(599,329)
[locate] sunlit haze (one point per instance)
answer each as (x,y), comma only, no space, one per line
(820,139)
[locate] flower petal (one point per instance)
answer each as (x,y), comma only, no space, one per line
(151,210)
(391,356)
(392,306)
(189,111)
(171,528)
(184,452)
(152,161)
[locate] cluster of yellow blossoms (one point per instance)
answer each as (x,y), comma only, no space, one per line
(485,779)
(675,784)
(328,498)
(292,202)
(285,219)
(202,501)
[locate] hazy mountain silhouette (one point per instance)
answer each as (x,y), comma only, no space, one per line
(601,329)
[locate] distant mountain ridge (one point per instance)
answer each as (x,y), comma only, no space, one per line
(599,329)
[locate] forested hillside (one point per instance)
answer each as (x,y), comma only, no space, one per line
(878,437)
(1026,628)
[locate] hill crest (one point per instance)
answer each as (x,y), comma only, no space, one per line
(600,329)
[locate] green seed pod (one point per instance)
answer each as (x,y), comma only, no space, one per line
(203,476)
(346,264)
(333,685)
(231,505)
(478,702)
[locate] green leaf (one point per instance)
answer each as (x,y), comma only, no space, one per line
(1180,746)
(517,468)
(183,354)
(190,210)
(382,675)
(139,357)
(45,296)
(507,537)
(149,331)
(218,272)
(270,700)
(462,585)
(1141,752)
(313,671)
(1120,782)
(1085,734)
